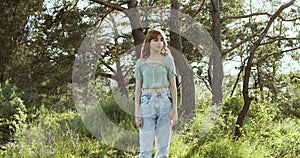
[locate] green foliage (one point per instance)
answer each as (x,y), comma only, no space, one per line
(14,17)
(115,113)
(38,47)
(12,113)
(291,108)
(274,130)
(225,147)
(233,105)
(58,135)
(267,133)
(290,100)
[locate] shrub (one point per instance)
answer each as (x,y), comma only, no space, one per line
(54,134)
(12,112)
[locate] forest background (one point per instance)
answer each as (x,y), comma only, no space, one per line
(252,76)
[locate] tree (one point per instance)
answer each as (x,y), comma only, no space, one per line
(187,76)
(133,15)
(215,61)
(247,99)
(39,46)
(138,36)
(14,30)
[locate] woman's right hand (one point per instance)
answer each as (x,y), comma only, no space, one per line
(139,121)
(138,91)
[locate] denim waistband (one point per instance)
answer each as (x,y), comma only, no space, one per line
(166,91)
(162,91)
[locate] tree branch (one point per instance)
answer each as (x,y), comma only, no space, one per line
(284,51)
(214,5)
(297,18)
(199,9)
(238,44)
(263,58)
(106,75)
(279,38)
(107,66)
(244,16)
(256,14)
(238,77)
(152,3)
(109,5)
(272,18)
(129,71)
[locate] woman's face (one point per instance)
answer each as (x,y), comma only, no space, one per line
(157,43)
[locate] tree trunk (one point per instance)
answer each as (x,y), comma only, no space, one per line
(120,80)
(134,18)
(237,80)
(137,32)
(260,83)
(247,100)
(182,64)
(118,73)
(215,64)
(274,89)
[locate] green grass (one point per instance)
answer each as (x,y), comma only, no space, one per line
(267,133)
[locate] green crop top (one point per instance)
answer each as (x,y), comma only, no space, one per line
(155,76)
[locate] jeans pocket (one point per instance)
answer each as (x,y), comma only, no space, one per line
(170,97)
(167,103)
(145,105)
(144,99)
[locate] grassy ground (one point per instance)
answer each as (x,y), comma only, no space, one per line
(267,133)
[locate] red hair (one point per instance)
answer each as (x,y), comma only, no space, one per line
(153,34)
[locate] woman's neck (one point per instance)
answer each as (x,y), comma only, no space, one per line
(154,52)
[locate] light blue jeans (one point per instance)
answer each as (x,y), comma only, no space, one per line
(155,110)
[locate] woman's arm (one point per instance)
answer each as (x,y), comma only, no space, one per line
(137,103)
(138,93)
(173,89)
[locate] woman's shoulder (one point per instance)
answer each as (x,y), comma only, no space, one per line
(168,58)
(140,62)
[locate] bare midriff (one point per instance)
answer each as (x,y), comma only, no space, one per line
(155,89)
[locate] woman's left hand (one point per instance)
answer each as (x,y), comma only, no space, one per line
(173,118)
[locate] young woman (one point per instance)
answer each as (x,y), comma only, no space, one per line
(155,95)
